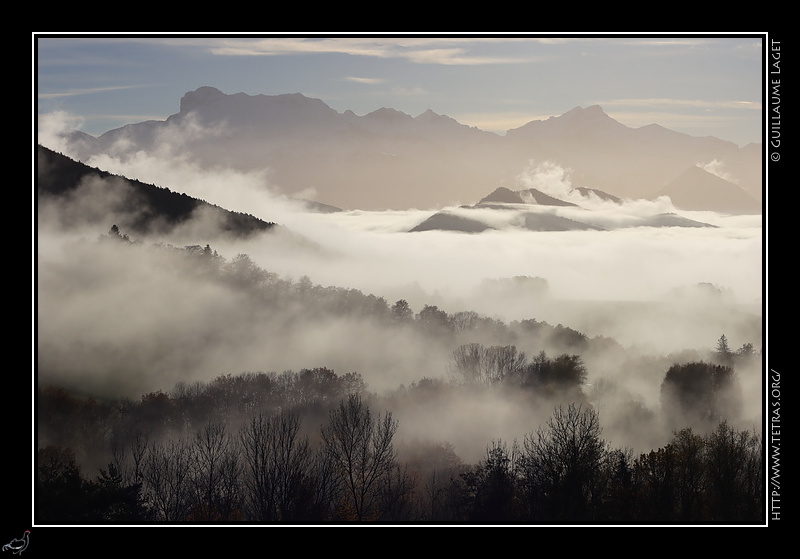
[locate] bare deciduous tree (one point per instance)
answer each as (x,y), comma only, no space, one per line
(278,464)
(562,464)
(360,448)
(215,475)
(475,363)
(165,474)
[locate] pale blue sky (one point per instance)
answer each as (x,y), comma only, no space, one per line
(704,85)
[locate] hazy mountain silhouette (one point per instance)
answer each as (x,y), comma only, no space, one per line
(671,220)
(633,162)
(697,189)
(448,221)
(532,210)
(588,192)
(389,159)
(318,207)
(503,195)
(549,222)
(133,206)
(535,196)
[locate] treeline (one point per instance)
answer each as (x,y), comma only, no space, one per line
(302,297)
(310,447)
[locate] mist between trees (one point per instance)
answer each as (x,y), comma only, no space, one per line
(266,469)
(489,422)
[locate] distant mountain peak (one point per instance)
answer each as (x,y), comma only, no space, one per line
(198,97)
(577,123)
(502,195)
(593,115)
(595,110)
(389,114)
(207,96)
(582,114)
(430,116)
(698,189)
(213,105)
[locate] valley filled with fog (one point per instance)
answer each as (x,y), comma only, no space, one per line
(116,322)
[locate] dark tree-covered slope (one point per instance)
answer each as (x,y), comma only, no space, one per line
(59,176)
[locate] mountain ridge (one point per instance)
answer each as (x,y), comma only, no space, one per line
(388,159)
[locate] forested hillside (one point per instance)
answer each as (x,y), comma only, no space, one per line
(137,207)
(318,445)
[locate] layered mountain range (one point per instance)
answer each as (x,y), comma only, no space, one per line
(390,160)
(533,210)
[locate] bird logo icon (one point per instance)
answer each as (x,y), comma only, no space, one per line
(18,545)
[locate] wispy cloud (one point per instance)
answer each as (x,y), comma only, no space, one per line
(422,50)
(688,103)
(368,81)
(87,91)
(458,56)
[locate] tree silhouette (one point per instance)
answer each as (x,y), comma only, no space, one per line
(561,465)
(361,450)
(61,496)
(700,394)
(723,353)
(735,464)
(434,320)
(115,501)
(560,375)
(490,366)
(654,480)
(166,470)
(493,485)
(401,311)
(215,475)
(690,476)
(277,467)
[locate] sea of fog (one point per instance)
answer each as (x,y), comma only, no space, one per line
(373,251)
(119,321)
